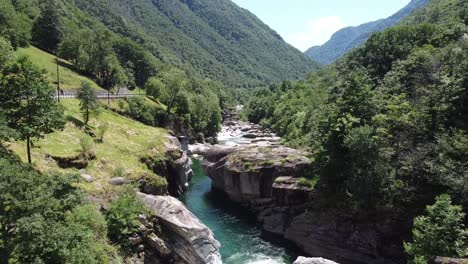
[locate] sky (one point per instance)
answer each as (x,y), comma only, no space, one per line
(307,23)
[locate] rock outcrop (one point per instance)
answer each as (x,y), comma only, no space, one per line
(249,172)
(190,239)
(175,166)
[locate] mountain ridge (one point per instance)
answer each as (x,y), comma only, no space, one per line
(349,38)
(219,39)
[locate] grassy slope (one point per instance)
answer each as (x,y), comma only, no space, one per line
(69,80)
(124,143)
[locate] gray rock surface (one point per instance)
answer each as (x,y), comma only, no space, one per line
(118,181)
(192,240)
(180,166)
(303,260)
(87,178)
(249,172)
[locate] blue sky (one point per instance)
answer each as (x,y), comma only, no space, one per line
(305,23)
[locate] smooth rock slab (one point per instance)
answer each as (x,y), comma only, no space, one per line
(194,242)
(303,260)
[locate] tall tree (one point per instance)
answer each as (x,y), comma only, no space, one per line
(28,102)
(47,30)
(153,87)
(89,104)
(175,81)
(440,232)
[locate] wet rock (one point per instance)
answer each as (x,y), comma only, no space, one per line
(250,135)
(303,260)
(443,260)
(191,239)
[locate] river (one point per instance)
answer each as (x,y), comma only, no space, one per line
(241,241)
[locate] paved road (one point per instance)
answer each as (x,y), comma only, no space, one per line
(102,94)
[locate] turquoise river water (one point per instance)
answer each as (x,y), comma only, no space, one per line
(241,241)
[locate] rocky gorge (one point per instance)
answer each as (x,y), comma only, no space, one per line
(253,169)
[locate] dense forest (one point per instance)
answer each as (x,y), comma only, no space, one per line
(208,39)
(387,125)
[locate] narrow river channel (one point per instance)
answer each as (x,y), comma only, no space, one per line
(241,241)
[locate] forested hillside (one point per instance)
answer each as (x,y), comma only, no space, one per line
(214,39)
(388,123)
(351,37)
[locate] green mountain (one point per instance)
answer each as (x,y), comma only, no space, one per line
(214,38)
(349,38)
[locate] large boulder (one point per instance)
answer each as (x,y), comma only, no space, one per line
(249,172)
(303,260)
(191,240)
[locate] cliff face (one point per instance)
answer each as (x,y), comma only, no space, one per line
(189,240)
(249,174)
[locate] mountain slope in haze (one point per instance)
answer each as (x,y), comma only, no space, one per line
(214,38)
(348,38)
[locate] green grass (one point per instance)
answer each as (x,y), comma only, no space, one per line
(125,142)
(69,80)
(309,183)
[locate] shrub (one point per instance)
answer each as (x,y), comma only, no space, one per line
(87,146)
(310,183)
(141,111)
(47,219)
(119,171)
(122,216)
(440,232)
(101,131)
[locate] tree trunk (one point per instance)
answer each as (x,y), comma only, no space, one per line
(171,104)
(28,147)
(4,250)
(87,116)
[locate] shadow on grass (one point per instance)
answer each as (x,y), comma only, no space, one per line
(75,121)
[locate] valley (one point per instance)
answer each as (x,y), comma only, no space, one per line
(190,132)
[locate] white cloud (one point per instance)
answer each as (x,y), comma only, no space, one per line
(318,32)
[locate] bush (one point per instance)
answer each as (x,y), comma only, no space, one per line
(122,217)
(87,146)
(101,131)
(141,111)
(440,232)
(47,219)
(309,183)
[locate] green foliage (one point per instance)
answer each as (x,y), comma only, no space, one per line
(440,232)
(47,30)
(140,110)
(122,216)
(39,210)
(229,44)
(387,124)
(87,146)
(89,103)
(309,183)
(154,87)
(6,53)
(28,102)
(101,131)
(14,26)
